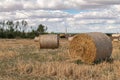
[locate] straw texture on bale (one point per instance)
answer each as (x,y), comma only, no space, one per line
(36,39)
(90,47)
(50,41)
(115,39)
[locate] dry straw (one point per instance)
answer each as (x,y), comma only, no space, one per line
(36,39)
(50,41)
(90,47)
(70,38)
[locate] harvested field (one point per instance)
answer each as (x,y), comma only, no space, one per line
(21,59)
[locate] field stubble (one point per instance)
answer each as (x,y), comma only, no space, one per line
(23,60)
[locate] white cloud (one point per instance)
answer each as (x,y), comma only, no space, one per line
(112,27)
(108,2)
(94,15)
(33,14)
(110,21)
(55,20)
(101,14)
(8,5)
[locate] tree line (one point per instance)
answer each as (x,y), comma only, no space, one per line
(18,29)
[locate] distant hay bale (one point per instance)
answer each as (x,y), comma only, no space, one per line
(36,39)
(90,47)
(115,37)
(50,41)
(62,35)
(70,38)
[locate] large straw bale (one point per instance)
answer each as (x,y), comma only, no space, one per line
(50,41)
(90,47)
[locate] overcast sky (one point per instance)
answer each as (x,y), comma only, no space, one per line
(75,15)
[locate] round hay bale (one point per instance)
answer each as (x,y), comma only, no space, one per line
(70,38)
(90,47)
(62,35)
(50,41)
(36,39)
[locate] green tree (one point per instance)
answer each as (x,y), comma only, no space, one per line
(10,29)
(17,29)
(2,29)
(24,25)
(41,29)
(17,24)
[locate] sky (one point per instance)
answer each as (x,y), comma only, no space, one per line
(77,16)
